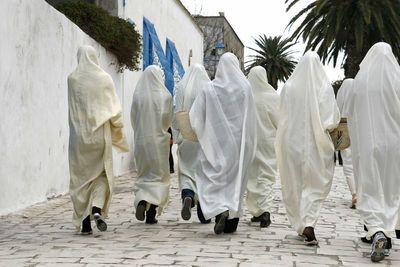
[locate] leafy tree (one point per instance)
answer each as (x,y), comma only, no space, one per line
(273,54)
(352,26)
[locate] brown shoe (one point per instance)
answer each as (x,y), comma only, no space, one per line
(309,236)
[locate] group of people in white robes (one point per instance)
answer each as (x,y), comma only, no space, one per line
(245,132)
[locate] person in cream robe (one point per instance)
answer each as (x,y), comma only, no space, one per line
(151,116)
(308,111)
(374,125)
(341,99)
(263,170)
(95,122)
(224,120)
(186,91)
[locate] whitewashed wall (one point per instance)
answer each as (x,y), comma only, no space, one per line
(37,53)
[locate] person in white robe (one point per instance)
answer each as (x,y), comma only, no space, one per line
(151,116)
(186,91)
(263,170)
(374,125)
(224,120)
(308,111)
(346,153)
(95,122)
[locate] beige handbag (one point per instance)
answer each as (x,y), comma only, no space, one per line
(340,136)
(182,117)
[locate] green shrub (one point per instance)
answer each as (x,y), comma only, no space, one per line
(115,34)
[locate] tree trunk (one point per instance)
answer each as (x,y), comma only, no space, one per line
(353,60)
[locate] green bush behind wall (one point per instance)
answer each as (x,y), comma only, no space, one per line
(115,34)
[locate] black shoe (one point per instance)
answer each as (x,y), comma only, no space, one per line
(90,232)
(255,219)
(100,222)
(231,225)
(201,216)
(186,211)
(140,210)
(265,220)
(378,247)
(151,215)
(398,234)
(309,236)
(389,244)
(86,226)
(220,221)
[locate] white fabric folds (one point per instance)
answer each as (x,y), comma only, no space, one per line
(341,99)
(223,117)
(95,121)
(194,81)
(374,124)
(151,116)
(304,150)
(263,170)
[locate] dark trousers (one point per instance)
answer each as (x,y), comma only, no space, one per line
(171,160)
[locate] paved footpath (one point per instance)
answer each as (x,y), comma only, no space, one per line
(42,235)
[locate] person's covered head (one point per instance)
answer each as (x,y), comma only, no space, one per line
(309,73)
(228,65)
(151,80)
(195,73)
(379,55)
(87,54)
(259,81)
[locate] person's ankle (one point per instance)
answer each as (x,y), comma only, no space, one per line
(96,210)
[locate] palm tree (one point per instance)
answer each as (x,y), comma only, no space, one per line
(351,26)
(273,54)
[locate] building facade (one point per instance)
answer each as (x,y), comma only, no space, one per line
(217,30)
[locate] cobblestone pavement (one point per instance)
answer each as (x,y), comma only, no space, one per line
(42,235)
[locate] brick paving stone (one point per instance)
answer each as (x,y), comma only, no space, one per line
(42,235)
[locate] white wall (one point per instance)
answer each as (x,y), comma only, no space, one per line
(37,53)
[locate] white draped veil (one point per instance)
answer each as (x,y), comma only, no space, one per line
(194,81)
(263,170)
(95,121)
(374,124)
(151,116)
(343,95)
(308,110)
(223,117)
(342,101)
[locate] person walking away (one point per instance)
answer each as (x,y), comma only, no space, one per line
(151,116)
(95,122)
(263,170)
(186,91)
(374,126)
(308,111)
(224,120)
